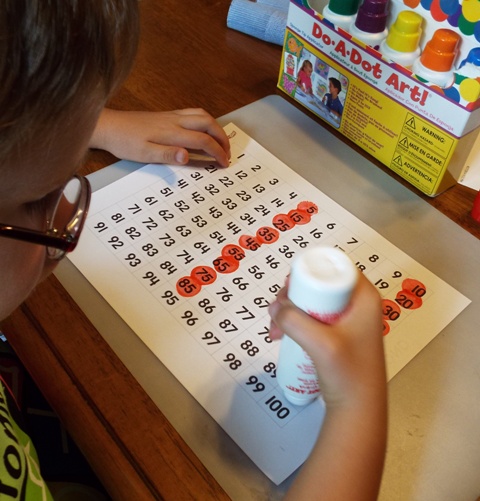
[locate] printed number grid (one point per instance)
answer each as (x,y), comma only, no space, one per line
(212,247)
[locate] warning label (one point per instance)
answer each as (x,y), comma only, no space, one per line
(422,153)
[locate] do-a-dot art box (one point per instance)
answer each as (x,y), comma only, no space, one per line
(420,131)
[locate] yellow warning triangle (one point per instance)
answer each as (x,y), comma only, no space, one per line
(411,122)
(398,160)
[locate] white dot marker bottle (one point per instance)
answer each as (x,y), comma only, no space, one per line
(470,66)
(435,65)
(370,23)
(321,283)
(402,42)
(340,13)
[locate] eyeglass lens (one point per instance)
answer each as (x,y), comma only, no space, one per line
(65,218)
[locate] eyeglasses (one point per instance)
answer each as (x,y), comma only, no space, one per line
(66,211)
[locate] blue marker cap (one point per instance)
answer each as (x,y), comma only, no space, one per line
(473,58)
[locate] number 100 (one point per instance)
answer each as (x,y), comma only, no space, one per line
(277,407)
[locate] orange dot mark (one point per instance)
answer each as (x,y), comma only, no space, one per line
(204,275)
(411,3)
(248,242)
(299,216)
(414,286)
(386,327)
(408,300)
(267,235)
(233,251)
(188,287)
(225,265)
(391,310)
(282,222)
(308,207)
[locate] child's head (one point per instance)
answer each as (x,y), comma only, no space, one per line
(307,67)
(56,54)
(59,62)
(335,86)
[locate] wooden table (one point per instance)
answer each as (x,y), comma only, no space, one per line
(187,58)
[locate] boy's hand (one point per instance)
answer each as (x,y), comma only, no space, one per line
(347,459)
(348,355)
(161,137)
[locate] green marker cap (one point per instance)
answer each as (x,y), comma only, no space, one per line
(344,7)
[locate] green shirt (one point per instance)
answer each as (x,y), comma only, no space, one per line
(20,477)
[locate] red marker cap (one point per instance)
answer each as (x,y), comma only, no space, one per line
(476,208)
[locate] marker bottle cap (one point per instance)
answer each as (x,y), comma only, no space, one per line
(372,16)
(344,7)
(440,52)
(321,282)
(472,58)
(404,34)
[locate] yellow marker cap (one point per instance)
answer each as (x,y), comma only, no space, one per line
(404,34)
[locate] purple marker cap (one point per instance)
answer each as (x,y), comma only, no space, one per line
(372,16)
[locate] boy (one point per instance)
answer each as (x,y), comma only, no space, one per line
(331,99)
(60,61)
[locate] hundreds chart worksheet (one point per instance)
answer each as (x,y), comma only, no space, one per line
(191,257)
